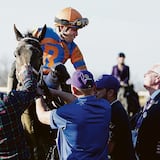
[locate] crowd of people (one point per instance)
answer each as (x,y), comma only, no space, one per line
(93,124)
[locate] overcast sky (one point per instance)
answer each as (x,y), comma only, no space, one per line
(132,27)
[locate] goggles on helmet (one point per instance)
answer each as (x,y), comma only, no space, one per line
(78,23)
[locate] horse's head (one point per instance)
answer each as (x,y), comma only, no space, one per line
(29,50)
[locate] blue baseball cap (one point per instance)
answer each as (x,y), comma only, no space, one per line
(82,79)
(108,82)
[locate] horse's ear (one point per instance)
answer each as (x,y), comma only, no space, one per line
(19,36)
(42,33)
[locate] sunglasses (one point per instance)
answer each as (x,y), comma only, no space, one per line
(78,23)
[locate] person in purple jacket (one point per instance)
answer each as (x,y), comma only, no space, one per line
(121,70)
(122,73)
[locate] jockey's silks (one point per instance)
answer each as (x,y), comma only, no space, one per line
(56,50)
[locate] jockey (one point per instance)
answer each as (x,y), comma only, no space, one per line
(58,45)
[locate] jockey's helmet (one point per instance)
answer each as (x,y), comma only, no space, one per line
(70,17)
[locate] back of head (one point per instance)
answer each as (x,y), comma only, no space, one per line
(70,17)
(108,82)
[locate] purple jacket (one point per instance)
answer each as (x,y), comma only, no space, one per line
(123,75)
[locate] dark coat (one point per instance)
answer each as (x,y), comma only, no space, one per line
(121,133)
(149,134)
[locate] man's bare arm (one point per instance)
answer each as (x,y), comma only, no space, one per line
(67,97)
(42,113)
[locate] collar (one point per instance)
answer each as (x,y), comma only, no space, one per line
(154,98)
(83,100)
(155,95)
(113,102)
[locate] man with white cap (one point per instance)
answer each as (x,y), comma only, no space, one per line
(83,125)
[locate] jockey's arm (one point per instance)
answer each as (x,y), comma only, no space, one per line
(67,97)
(77,59)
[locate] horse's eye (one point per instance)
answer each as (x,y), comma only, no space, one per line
(19,53)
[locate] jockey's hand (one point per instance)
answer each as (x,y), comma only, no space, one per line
(123,84)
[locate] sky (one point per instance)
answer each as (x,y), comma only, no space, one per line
(132,27)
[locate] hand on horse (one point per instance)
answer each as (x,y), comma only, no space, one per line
(43,90)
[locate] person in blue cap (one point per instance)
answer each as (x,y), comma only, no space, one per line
(120,143)
(83,124)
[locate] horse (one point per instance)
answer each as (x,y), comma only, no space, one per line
(29,51)
(24,54)
(129,99)
(132,100)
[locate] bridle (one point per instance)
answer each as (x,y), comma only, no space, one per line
(32,45)
(28,43)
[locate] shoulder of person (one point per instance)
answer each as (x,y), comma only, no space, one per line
(115,66)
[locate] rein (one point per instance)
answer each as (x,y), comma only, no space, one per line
(35,71)
(48,97)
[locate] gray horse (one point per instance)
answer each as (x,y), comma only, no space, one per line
(29,51)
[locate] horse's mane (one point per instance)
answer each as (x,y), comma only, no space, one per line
(28,38)
(29,35)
